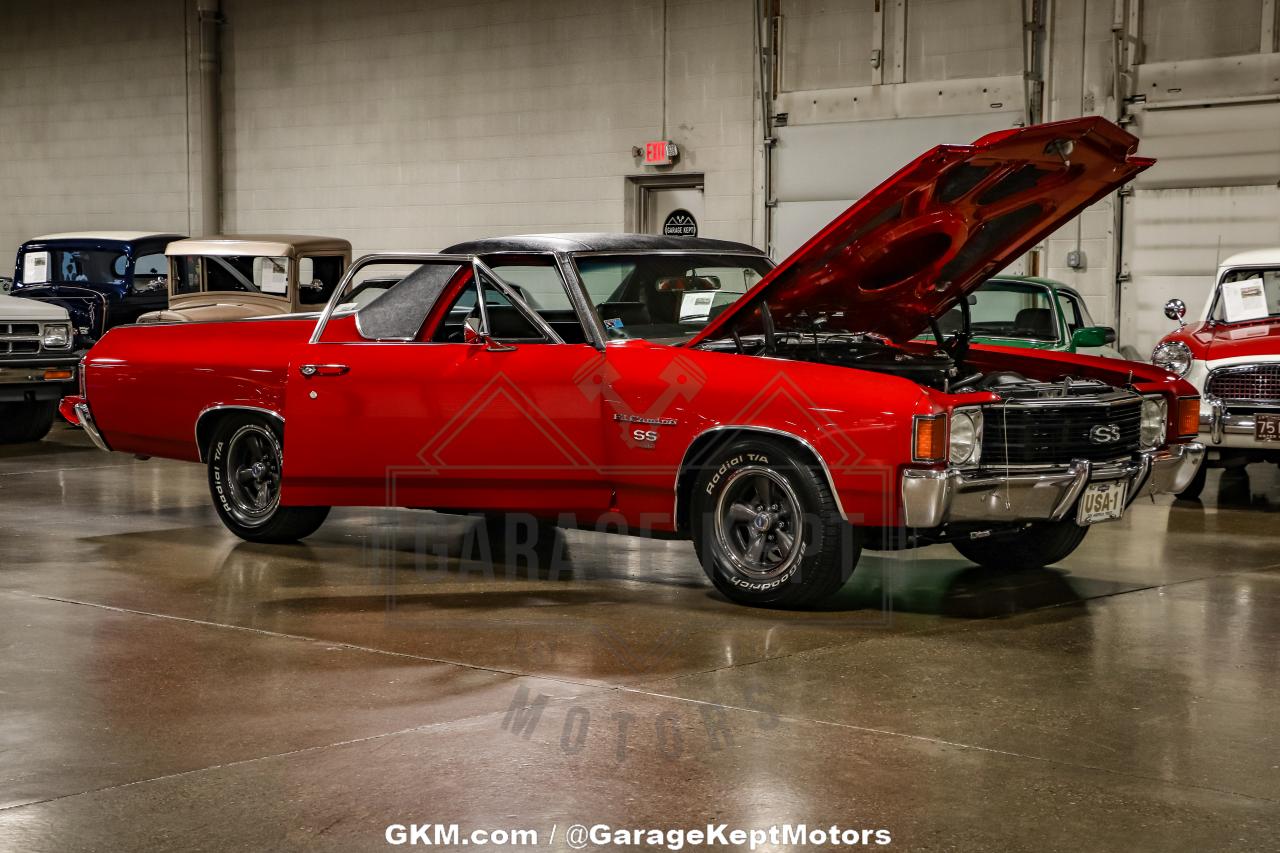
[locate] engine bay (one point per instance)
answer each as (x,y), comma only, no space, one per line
(936,368)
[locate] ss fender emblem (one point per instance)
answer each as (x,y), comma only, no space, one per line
(647,436)
(1105,433)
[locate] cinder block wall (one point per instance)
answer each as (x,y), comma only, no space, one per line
(398,124)
(415,125)
(93,119)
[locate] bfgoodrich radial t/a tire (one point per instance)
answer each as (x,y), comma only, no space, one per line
(766,526)
(1042,544)
(245,463)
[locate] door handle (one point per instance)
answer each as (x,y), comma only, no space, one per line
(310,370)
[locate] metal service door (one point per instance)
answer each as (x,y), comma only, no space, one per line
(673,211)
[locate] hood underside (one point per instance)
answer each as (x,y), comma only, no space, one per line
(913,247)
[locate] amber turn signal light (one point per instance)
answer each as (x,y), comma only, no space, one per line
(1188,415)
(52,374)
(930,444)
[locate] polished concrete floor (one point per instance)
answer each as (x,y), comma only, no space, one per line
(164,686)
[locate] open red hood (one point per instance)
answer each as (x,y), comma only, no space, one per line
(918,243)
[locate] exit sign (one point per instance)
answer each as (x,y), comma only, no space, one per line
(660,153)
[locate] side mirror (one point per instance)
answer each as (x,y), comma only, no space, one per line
(1176,309)
(473,333)
(1093,336)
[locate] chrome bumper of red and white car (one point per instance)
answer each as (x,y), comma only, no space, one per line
(933,498)
(1219,428)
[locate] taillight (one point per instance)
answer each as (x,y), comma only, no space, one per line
(1188,422)
(929,439)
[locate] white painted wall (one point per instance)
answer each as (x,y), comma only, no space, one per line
(93,118)
(393,123)
(406,125)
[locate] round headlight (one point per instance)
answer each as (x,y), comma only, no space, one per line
(1174,356)
(1155,418)
(966,438)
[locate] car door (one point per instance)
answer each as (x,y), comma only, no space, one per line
(398,401)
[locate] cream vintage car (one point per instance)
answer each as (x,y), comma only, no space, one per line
(234,277)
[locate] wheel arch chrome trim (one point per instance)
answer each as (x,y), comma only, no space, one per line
(223,407)
(803,442)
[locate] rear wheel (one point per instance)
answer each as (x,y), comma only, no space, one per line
(1040,545)
(21,422)
(245,463)
(766,527)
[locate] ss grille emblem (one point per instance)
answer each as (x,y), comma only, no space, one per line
(1105,433)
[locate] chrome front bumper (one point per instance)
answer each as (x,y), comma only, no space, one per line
(1221,429)
(85,419)
(933,498)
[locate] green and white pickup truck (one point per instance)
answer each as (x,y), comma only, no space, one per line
(37,366)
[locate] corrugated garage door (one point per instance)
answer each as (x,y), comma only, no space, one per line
(1213,193)
(821,169)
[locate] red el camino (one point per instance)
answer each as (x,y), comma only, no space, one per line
(782,417)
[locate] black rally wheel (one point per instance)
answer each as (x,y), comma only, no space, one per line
(766,527)
(245,464)
(1042,544)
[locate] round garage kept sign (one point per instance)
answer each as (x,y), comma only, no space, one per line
(680,223)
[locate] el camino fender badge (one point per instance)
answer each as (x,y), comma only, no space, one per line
(644,439)
(641,419)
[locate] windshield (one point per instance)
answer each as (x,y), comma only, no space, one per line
(1006,309)
(88,266)
(234,274)
(666,297)
(1247,294)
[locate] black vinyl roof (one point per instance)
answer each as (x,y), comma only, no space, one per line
(596,242)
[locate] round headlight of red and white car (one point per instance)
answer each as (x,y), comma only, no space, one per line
(1174,356)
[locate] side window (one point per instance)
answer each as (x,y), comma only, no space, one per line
(317,277)
(150,274)
(186,275)
(271,275)
(507,323)
(1071,311)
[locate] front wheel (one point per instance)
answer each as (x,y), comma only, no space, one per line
(766,526)
(1041,544)
(245,464)
(22,422)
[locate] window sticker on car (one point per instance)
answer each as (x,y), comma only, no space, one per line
(35,268)
(613,323)
(1244,300)
(272,275)
(696,305)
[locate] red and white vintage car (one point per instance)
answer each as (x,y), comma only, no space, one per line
(1232,354)
(782,417)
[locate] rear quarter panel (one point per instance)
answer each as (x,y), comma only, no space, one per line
(147,385)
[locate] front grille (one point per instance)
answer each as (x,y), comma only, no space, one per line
(1041,435)
(1250,383)
(19,339)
